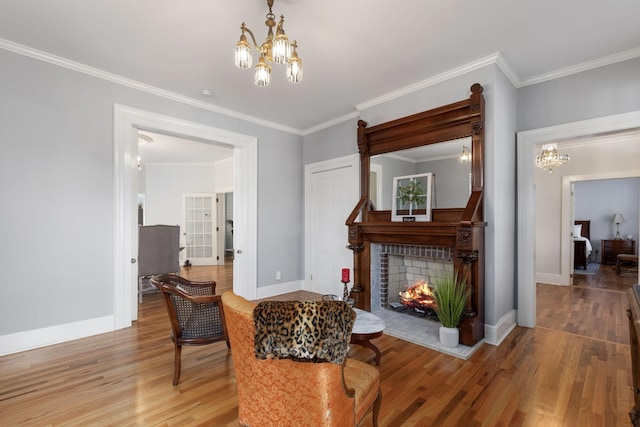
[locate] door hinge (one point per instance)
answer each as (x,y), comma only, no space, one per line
(217,257)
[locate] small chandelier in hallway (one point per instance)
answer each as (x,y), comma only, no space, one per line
(276,49)
(549,158)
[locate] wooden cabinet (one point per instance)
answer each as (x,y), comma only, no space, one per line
(633,312)
(611,249)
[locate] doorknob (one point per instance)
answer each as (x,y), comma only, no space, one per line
(133,260)
(239,251)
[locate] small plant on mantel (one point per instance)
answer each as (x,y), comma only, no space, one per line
(411,193)
(450,294)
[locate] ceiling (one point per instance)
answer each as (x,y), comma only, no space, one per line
(354,51)
(155,148)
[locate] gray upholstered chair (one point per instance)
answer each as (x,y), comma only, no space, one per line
(158,252)
(195,312)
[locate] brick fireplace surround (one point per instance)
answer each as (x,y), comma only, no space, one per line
(404,265)
(427,262)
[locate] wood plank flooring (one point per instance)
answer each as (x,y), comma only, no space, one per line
(573,369)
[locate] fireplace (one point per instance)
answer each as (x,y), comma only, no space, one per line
(453,234)
(394,267)
(402,276)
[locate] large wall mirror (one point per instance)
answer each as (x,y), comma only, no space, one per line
(451,176)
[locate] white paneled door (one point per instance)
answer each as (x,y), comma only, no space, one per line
(332,196)
(199,229)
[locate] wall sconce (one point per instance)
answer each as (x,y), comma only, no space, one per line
(465,156)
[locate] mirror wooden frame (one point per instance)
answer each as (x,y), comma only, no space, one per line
(462,229)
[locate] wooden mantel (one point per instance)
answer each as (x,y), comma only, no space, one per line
(461,229)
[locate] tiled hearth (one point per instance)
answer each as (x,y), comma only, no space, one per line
(421,331)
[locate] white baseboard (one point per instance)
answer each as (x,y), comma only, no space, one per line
(21,341)
(495,334)
(278,289)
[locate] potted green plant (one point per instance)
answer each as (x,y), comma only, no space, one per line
(450,293)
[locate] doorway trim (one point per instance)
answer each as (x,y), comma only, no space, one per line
(527,141)
(567,218)
(127,121)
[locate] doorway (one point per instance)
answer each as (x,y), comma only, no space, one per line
(127,121)
(527,142)
(199,229)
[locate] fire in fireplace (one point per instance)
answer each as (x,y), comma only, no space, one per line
(401,277)
(418,296)
(417,300)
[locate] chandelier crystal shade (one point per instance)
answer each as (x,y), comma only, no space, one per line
(276,49)
(549,158)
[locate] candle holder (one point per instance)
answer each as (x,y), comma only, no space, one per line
(345,293)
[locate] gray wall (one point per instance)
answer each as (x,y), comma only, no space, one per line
(599,200)
(600,92)
(166,185)
(451,189)
(500,199)
(390,168)
(336,141)
(56,131)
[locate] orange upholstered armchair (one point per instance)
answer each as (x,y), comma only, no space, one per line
(279,392)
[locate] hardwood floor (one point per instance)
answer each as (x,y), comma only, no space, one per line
(573,369)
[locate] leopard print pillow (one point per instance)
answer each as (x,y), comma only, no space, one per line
(315,331)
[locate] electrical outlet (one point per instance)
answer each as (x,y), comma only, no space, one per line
(278,275)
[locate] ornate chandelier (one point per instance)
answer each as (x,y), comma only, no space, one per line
(549,158)
(275,49)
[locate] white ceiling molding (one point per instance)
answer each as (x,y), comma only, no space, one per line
(496,58)
(328,124)
(585,66)
(506,68)
(432,81)
(114,78)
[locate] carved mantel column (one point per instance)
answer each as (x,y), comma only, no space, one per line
(356,244)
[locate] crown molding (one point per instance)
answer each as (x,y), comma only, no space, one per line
(508,71)
(497,58)
(432,81)
(114,78)
(585,66)
(333,122)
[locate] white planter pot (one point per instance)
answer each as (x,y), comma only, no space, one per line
(449,337)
